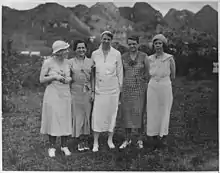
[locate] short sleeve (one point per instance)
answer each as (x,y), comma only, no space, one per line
(45,66)
(93,59)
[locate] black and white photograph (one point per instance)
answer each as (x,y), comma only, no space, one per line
(110,85)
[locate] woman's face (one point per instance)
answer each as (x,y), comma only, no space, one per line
(63,53)
(158,45)
(81,49)
(133,45)
(106,40)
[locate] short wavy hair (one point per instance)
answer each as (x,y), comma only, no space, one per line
(134,38)
(75,44)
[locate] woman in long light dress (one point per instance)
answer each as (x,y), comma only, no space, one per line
(81,90)
(56,110)
(159,92)
(108,83)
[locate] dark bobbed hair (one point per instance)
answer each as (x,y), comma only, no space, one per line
(75,44)
(134,38)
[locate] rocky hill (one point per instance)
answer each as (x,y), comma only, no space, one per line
(42,24)
(144,16)
(101,16)
(206,20)
(179,18)
(39,27)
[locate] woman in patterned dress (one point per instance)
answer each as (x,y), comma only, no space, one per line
(135,65)
(159,92)
(56,110)
(108,82)
(81,91)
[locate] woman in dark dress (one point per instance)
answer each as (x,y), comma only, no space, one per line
(135,65)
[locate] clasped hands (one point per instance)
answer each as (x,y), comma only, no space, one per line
(62,79)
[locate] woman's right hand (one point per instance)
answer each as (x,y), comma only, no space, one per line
(59,78)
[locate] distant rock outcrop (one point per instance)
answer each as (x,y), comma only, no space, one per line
(144,16)
(177,19)
(206,20)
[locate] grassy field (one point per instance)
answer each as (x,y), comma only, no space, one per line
(192,143)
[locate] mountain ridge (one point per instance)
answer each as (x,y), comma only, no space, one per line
(81,21)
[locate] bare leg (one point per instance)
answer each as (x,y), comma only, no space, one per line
(110,140)
(96,142)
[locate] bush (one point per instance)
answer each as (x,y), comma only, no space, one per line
(18,73)
(146,49)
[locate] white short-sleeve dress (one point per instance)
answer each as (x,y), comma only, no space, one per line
(56,109)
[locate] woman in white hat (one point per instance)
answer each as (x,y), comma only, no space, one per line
(159,92)
(108,83)
(56,110)
(81,90)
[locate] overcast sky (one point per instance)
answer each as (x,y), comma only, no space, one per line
(163,5)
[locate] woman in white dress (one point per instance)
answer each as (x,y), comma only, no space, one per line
(108,83)
(159,92)
(56,111)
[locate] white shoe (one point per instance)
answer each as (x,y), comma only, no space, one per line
(66,151)
(95,148)
(125,144)
(86,146)
(51,152)
(140,144)
(111,145)
(80,148)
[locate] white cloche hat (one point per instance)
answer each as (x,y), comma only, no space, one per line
(59,45)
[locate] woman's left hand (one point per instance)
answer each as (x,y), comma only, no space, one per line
(66,80)
(63,81)
(92,97)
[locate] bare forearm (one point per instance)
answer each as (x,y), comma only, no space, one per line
(46,79)
(172,69)
(147,68)
(172,75)
(120,75)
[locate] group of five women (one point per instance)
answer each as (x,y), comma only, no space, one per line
(142,83)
